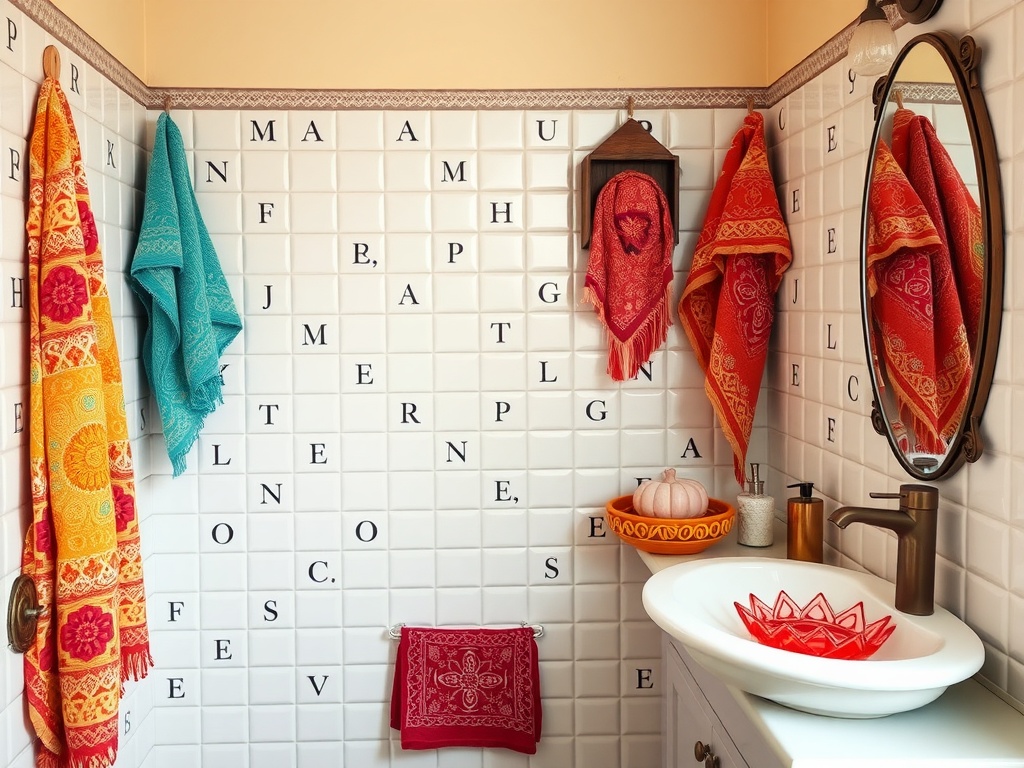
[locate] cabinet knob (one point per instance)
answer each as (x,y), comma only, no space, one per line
(702,753)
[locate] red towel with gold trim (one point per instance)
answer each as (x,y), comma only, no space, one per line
(728,303)
(467,688)
(954,211)
(629,274)
(916,319)
(82,547)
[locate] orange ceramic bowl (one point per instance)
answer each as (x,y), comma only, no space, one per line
(669,535)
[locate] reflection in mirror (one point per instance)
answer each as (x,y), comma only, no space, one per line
(931,256)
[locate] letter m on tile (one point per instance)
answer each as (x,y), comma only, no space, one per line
(263,134)
(318,338)
(453,174)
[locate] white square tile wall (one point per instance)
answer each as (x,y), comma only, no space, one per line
(420,430)
(112,129)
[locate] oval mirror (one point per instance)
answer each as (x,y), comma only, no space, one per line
(931,256)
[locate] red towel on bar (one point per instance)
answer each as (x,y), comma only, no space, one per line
(629,274)
(916,321)
(728,303)
(955,214)
(467,688)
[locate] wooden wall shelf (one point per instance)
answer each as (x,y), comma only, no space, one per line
(630,148)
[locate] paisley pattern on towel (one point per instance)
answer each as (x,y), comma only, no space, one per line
(727,307)
(922,354)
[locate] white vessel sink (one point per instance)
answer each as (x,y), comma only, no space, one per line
(693,602)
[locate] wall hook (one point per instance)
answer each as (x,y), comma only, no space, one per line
(51,62)
(23,612)
(167,103)
(750,104)
(629,107)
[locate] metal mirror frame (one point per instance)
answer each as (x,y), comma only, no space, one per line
(962,56)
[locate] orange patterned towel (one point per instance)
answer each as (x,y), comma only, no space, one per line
(629,274)
(916,320)
(727,307)
(82,547)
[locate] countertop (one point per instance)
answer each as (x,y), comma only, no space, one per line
(966,725)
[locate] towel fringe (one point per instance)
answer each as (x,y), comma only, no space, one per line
(47,759)
(626,357)
(102,760)
(179,463)
(135,665)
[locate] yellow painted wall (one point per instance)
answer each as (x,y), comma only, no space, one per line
(487,44)
(455,43)
(924,64)
(796,28)
(117,25)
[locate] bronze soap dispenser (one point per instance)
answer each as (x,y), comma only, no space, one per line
(805,518)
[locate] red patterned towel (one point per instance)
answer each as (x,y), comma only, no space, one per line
(467,688)
(917,324)
(727,306)
(629,275)
(954,212)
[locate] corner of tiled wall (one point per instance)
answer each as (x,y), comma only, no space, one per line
(819,390)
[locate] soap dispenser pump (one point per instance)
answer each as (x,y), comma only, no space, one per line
(804,522)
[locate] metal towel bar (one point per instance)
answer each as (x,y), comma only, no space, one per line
(395,630)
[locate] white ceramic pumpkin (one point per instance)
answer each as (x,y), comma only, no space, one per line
(670,497)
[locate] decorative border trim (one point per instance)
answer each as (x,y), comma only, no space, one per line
(54,21)
(928,93)
(831,52)
(652,98)
(828,54)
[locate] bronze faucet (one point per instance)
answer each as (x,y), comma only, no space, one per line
(915,523)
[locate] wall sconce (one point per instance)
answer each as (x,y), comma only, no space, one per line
(873,45)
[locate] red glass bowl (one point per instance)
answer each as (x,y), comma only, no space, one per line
(815,629)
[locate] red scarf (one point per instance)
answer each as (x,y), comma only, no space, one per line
(727,306)
(629,275)
(916,320)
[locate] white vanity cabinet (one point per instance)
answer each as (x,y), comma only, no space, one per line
(688,722)
(967,727)
(689,717)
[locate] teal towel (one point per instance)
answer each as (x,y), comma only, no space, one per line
(192,317)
